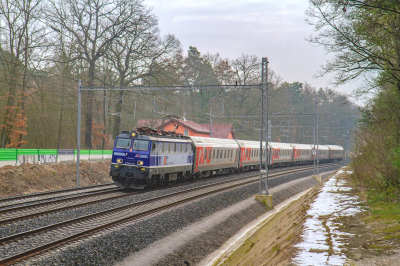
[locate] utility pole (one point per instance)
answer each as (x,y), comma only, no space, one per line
(264,122)
(316,122)
(78,148)
(347,140)
(347,150)
(269,131)
(314,132)
(210,124)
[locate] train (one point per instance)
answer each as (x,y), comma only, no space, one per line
(145,158)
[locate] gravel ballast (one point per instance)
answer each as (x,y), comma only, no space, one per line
(113,246)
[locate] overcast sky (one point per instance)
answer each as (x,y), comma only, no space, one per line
(266,28)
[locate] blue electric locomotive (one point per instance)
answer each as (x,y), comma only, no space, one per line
(144,160)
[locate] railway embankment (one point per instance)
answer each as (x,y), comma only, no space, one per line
(339,222)
(32,178)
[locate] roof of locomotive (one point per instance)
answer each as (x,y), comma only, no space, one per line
(155,136)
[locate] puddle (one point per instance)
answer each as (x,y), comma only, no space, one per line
(322,239)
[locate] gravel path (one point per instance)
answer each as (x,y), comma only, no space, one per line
(113,246)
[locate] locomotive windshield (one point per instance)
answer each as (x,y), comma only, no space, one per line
(123,143)
(142,145)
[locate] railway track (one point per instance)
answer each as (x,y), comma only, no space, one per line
(22,245)
(16,213)
(49,195)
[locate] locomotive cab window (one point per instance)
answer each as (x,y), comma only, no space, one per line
(141,145)
(123,143)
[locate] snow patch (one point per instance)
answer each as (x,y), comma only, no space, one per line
(322,239)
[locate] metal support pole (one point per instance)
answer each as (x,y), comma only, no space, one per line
(265,83)
(264,118)
(78,148)
(261,141)
(134,111)
(154,106)
(269,130)
(317,139)
(314,131)
(347,140)
(210,124)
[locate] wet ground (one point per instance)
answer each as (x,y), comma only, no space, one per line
(324,239)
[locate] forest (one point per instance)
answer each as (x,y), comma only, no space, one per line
(364,37)
(47,46)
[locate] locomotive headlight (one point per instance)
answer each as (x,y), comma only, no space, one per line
(133,134)
(119,160)
(139,162)
(143,169)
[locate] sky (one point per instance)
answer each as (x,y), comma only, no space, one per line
(265,28)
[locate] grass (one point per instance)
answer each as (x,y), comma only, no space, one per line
(384,209)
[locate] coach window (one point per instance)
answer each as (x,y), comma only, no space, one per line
(213,154)
(231,153)
(205,153)
(217,154)
(220,154)
(169,147)
(209,155)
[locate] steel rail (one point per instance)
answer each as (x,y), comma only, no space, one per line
(45,228)
(54,199)
(129,218)
(39,194)
(34,213)
(49,204)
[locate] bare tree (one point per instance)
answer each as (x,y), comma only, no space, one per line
(22,36)
(93,26)
(364,37)
(140,55)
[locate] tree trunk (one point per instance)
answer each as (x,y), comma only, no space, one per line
(89,112)
(118,109)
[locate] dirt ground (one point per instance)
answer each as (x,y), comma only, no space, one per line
(31,178)
(272,243)
(374,240)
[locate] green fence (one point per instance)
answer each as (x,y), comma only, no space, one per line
(11,155)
